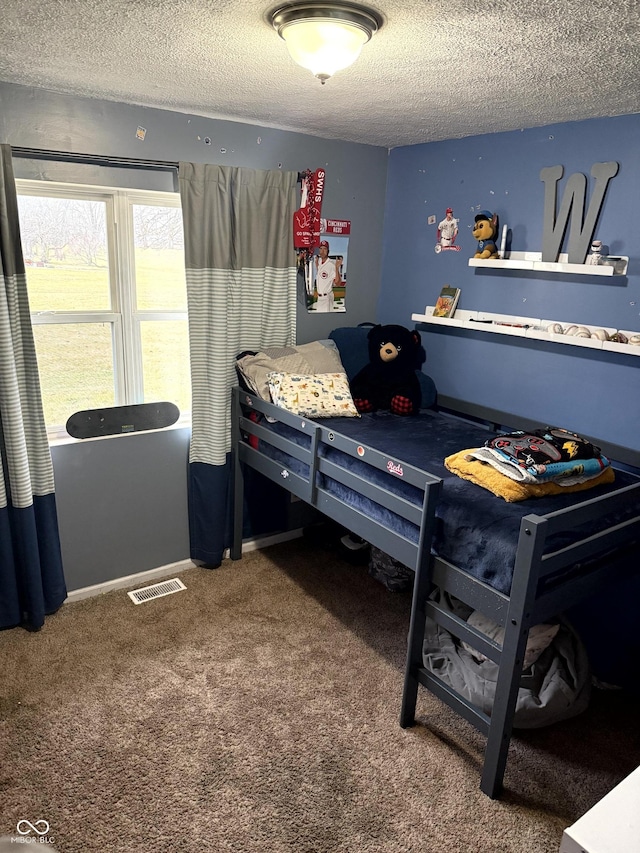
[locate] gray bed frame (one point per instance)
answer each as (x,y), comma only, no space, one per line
(533,598)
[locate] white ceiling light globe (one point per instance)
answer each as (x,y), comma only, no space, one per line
(324,47)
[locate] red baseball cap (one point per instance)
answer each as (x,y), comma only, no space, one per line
(323,244)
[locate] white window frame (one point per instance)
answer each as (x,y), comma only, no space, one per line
(124,317)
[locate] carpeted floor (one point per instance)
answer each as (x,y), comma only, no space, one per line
(258,711)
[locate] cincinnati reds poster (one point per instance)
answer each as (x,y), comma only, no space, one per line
(326,271)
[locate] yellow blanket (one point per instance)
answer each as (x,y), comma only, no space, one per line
(485,475)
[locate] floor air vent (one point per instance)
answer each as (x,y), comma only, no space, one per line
(157,590)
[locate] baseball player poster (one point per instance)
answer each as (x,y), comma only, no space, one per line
(447,233)
(326,274)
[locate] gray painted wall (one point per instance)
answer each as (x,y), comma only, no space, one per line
(122,501)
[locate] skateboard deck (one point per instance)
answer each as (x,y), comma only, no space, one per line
(116,420)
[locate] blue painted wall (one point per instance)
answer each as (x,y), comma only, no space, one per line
(585,390)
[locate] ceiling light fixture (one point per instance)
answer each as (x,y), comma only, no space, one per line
(325,37)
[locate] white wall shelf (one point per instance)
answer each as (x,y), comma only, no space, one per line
(610,265)
(527,327)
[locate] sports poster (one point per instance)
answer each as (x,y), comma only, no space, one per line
(326,269)
(446,233)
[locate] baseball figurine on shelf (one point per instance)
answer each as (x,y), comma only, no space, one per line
(595,257)
(485,231)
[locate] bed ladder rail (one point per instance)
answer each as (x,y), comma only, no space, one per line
(455,700)
(459,628)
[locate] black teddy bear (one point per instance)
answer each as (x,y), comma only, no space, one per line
(390,381)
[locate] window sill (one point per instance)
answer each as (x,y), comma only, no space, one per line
(59,438)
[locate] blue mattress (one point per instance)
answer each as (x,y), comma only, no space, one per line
(476,530)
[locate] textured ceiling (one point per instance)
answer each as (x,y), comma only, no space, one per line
(435,70)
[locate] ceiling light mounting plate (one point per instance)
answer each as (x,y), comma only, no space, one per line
(349,13)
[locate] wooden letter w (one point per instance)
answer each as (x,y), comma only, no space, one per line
(582,227)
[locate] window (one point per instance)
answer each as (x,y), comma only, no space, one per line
(107,293)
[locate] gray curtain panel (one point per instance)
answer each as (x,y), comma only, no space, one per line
(241,292)
(31,578)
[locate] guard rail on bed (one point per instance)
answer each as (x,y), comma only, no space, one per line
(308,489)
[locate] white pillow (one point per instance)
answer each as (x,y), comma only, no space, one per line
(310,359)
(540,636)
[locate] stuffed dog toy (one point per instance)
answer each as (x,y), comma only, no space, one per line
(485,231)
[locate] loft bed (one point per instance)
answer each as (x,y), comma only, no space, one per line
(382,477)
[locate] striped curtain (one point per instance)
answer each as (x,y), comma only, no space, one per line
(31,578)
(241,290)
